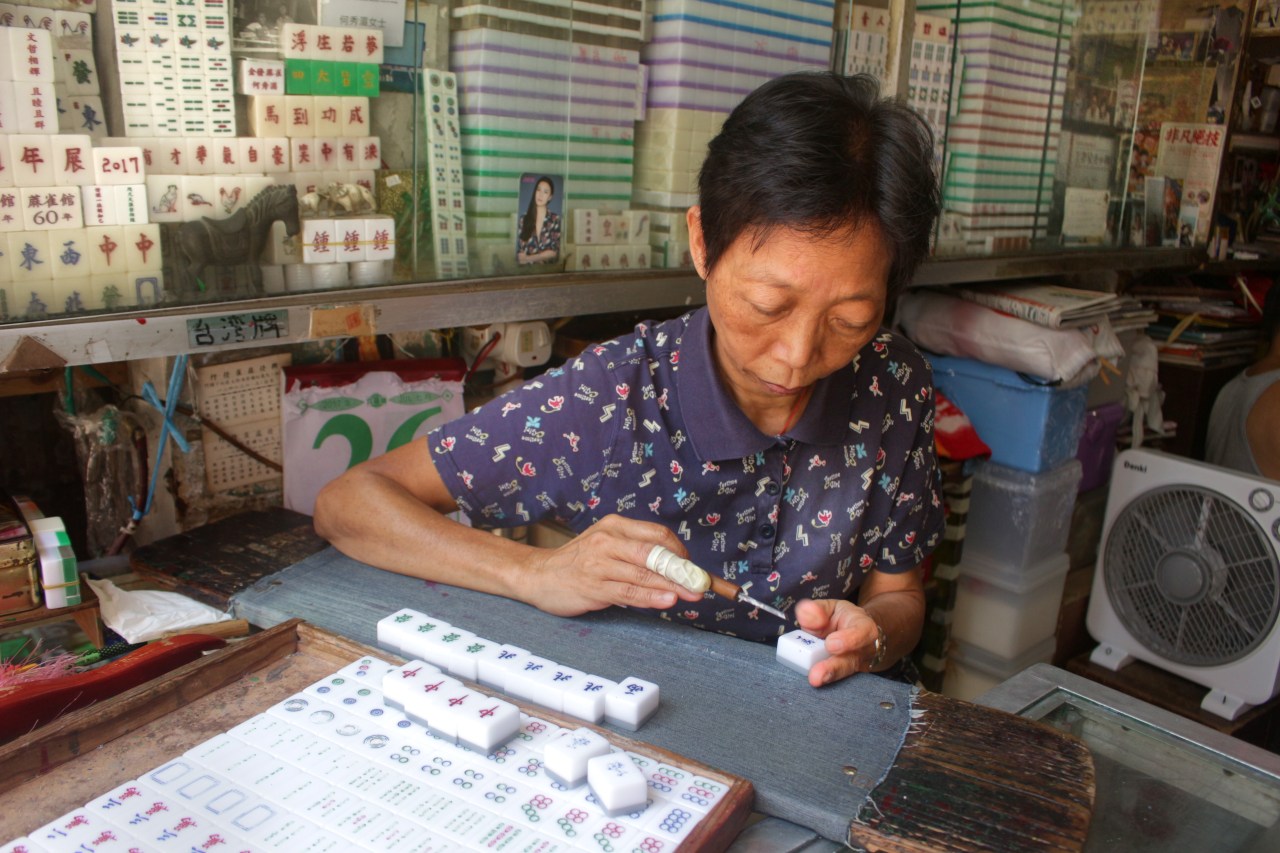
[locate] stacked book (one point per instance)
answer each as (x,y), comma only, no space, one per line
(1204,332)
(1198,325)
(1045,304)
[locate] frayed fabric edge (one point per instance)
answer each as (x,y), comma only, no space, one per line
(917,723)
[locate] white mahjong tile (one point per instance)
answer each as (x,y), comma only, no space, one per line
(398,834)
(367,669)
(481,661)
(498,792)
(393,628)
(376,782)
(631,702)
(526,679)
(585,698)
(363,702)
(446,649)
(571,823)
(465,821)
(618,784)
(566,757)
(635,817)
(83,829)
(401,684)
(486,723)
(492,671)
(157,822)
(415,690)
(702,793)
(254,819)
(536,732)
(558,680)
(442,709)
(538,807)
(414,636)
(237,760)
(331,723)
(532,772)
(333,809)
(799,650)
(644,762)
(427,807)
(340,685)
(464,781)
(399,752)
(610,835)
(124,799)
(671,822)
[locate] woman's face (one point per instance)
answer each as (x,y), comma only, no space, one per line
(542,194)
(794,310)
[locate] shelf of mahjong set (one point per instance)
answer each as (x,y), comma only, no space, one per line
(71,761)
(168,330)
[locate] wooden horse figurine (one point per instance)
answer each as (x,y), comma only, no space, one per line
(240,238)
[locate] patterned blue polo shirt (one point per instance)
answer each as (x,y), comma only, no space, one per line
(643,427)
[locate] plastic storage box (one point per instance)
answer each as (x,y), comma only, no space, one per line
(1098,443)
(972,671)
(1028,426)
(1017,518)
(1008,611)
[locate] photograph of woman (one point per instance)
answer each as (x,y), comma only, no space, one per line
(539,239)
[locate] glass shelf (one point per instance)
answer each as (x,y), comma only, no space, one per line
(168,331)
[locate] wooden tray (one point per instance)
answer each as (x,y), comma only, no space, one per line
(73,760)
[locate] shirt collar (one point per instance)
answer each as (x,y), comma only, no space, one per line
(720,430)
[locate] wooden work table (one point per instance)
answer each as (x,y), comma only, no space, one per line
(968,779)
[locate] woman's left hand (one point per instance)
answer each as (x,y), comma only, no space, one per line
(850,635)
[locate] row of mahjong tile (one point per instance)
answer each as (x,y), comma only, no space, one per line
(69,29)
(470,719)
(35,258)
(311,775)
(554,759)
(205,155)
(517,672)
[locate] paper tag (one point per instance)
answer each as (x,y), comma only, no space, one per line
(337,321)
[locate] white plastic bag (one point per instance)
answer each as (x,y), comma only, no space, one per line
(952,326)
(148,614)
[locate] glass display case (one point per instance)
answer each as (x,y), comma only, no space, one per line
(248,169)
(1163,782)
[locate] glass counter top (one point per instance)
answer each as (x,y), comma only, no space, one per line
(1164,783)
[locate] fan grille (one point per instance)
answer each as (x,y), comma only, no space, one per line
(1192,576)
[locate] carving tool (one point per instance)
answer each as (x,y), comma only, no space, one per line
(679,570)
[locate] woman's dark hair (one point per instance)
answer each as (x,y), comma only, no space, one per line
(822,154)
(530,219)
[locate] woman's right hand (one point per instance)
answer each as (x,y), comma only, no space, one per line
(601,567)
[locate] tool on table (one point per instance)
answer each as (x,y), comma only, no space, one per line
(684,572)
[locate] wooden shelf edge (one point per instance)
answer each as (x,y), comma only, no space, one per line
(88,728)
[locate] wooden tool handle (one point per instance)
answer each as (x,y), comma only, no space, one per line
(724,588)
(225,628)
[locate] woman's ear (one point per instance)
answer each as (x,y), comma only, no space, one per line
(697,243)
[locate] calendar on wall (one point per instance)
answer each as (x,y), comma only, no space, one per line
(243,399)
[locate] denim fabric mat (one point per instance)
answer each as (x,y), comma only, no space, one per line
(724,702)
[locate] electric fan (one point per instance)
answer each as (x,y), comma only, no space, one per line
(1188,577)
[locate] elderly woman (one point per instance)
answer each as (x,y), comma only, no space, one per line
(780,437)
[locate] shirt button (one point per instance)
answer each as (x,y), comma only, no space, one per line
(767,531)
(772,488)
